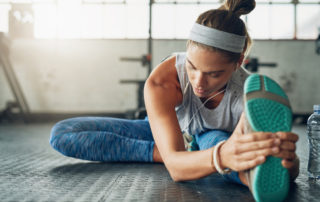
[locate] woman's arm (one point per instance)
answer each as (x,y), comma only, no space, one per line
(162,94)
(240,152)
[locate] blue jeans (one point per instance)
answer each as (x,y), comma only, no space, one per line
(117,140)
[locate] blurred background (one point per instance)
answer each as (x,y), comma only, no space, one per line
(65,58)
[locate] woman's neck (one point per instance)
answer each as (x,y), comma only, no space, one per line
(215,100)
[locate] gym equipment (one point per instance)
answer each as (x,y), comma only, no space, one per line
(253,64)
(146,61)
(318,42)
(20,102)
(140,111)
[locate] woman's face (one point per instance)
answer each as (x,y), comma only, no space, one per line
(208,71)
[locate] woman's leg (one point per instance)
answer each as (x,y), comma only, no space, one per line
(209,139)
(104,139)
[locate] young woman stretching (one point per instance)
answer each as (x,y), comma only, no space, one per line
(206,115)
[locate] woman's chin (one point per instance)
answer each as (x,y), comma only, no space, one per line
(200,94)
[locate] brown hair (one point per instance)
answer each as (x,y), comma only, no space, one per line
(227,18)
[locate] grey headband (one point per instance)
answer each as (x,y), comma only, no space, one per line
(216,38)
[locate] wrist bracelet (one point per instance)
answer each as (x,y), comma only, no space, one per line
(216,160)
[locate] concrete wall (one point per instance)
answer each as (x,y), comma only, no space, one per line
(297,72)
(79,76)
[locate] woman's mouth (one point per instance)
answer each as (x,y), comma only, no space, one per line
(199,91)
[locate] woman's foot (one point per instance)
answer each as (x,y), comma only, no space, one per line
(267,109)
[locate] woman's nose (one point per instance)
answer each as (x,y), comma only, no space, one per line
(199,79)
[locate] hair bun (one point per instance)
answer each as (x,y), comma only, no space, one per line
(239,7)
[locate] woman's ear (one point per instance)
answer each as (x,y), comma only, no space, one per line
(240,61)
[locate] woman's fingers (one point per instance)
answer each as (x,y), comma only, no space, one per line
(245,165)
(287,164)
(257,145)
(286,145)
(287,136)
(257,136)
(285,154)
(263,140)
(247,156)
(251,159)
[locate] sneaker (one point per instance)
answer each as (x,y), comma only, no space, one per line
(267,109)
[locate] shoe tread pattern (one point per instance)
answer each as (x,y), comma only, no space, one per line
(271,179)
(252,83)
(273,87)
(261,110)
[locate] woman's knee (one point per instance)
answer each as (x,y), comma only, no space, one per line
(211,138)
(59,130)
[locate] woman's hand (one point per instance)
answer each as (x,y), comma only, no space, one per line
(244,151)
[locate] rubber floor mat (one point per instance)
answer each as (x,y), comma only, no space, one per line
(30,170)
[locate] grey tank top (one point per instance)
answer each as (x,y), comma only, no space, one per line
(224,117)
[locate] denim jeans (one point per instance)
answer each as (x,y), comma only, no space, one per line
(117,140)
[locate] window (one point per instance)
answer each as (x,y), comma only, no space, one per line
(178,19)
(4,20)
(95,19)
(268,21)
(308,21)
(85,19)
(46,25)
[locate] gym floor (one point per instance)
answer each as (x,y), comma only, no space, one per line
(30,170)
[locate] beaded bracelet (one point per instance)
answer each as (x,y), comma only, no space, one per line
(216,160)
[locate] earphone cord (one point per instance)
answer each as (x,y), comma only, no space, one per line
(202,106)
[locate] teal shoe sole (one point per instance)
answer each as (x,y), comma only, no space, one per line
(267,109)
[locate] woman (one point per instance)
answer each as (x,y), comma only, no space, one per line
(194,101)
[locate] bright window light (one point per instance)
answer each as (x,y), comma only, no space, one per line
(273,1)
(114,23)
(282,21)
(92,24)
(164,1)
(186,15)
(175,21)
(259,22)
(45,24)
(95,19)
(145,2)
(69,19)
(308,21)
(4,10)
(271,21)
(163,26)
(137,17)
(309,1)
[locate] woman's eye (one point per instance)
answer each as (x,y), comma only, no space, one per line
(214,75)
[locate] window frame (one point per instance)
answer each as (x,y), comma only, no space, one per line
(148,3)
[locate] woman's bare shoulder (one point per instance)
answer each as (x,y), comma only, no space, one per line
(164,80)
(165,73)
